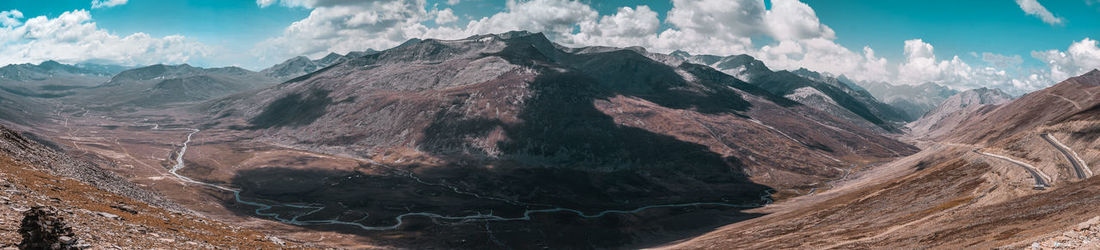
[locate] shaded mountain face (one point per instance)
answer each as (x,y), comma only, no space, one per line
(514,115)
(914,100)
(302,65)
(160,84)
(519,102)
(957,108)
(836,96)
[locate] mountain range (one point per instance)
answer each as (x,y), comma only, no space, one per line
(838,98)
(510,140)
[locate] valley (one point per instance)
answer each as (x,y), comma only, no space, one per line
(513,141)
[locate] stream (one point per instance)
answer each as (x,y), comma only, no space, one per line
(399,220)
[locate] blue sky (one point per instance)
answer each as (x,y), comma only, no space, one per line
(866,40)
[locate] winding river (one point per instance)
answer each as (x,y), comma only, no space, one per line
(399,220)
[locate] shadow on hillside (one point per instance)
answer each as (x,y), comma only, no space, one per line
(375,200)
(564,153)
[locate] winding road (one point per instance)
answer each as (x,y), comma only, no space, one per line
(1041,179)
(399,220)
(1079,166)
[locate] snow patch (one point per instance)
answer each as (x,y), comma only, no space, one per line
(804,93)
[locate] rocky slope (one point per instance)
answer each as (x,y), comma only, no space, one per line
(1056,103)
(954,110)
(913,100)
(92,208)
(955,197)
(837,97)
(518,98)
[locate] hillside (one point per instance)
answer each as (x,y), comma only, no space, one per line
(98,208)
(832,95)
(955,109)
(301,65)
(160,85)
(970,189)
(587,128)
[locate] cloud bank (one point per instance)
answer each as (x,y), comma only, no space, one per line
(73,38)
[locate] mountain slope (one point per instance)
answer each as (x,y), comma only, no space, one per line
(952,111)
(514,115)
(828,94)
(51,79)
(102,209)
(159,85)
(1032,110)
(518,98)
(301,65)
(956,194)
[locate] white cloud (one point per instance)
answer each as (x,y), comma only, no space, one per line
(628,27)
(794,20)
(1081,56)
(10,18)
(557,18)
(445,16)
(1002,61)
(352,26)
(796,37)
(1032,7)
(96,4)
(921,66)
(452,2)
(73,38)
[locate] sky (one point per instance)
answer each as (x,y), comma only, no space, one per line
(1015,45)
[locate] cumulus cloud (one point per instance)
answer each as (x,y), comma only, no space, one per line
(1032,7)
(557,18)
(96,4)
(627,27)
(921,66)
(1081,56)
(10,18)
(342,26)
(794,20)
(445,16)
(796,37)
(72,38)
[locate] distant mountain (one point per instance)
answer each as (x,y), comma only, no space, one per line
(49,69)
(836,96)
(301,65)
(51,79)
(166,84)
(614,121)
(913,100)
(955,109)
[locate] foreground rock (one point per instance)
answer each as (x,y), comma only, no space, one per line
(43,228)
